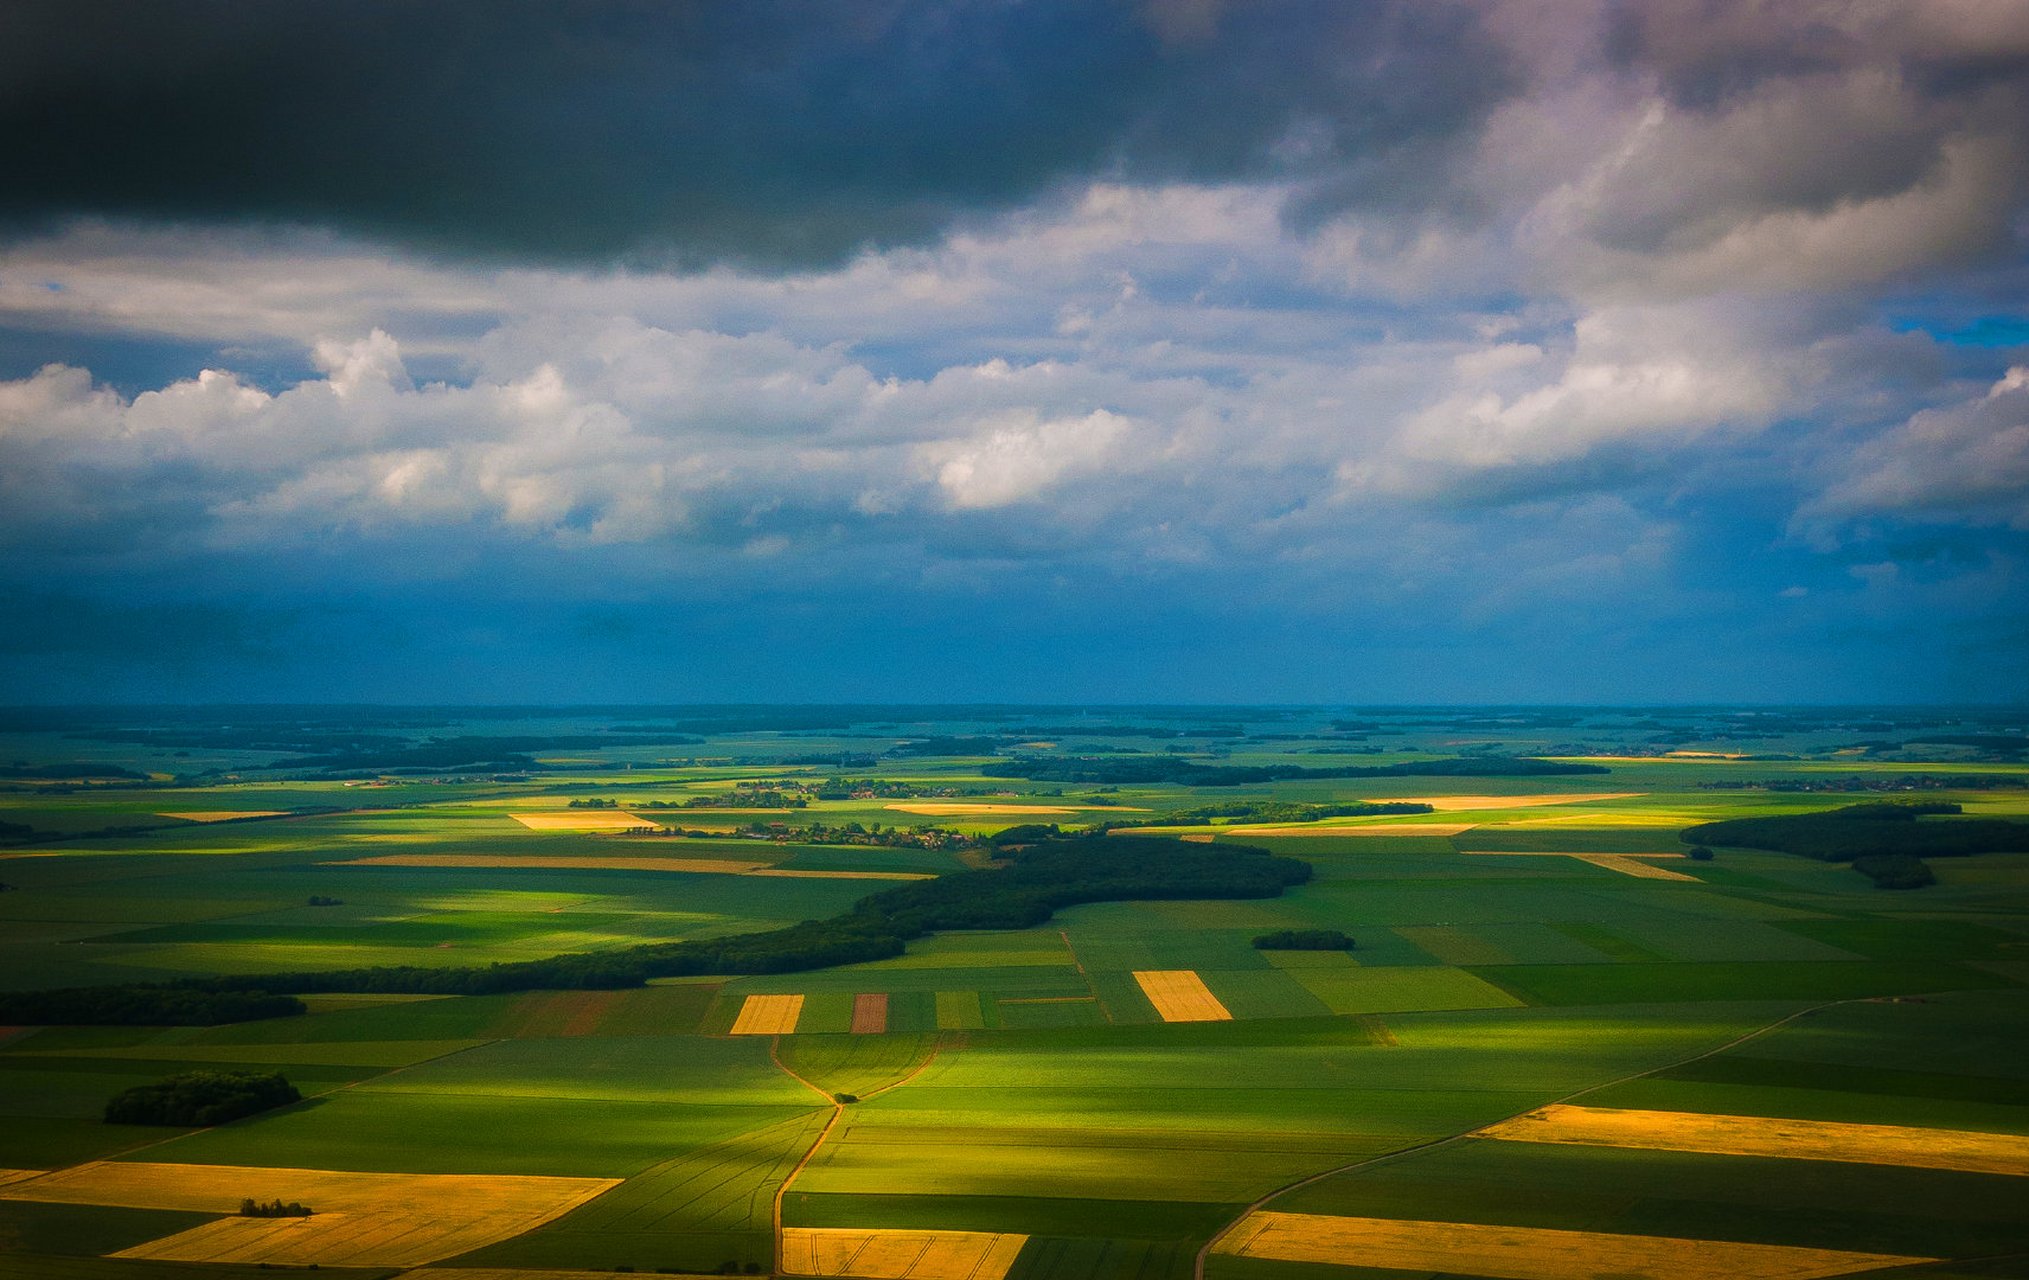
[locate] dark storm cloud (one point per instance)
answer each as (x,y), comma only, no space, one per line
(773,131)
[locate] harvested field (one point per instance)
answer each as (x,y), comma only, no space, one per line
(19,1175)
(514,862)
(1628,864)
(768,1016)
(361,1219)
(581,820)
(1368,829)
(1962,1150)
(1179,995)
(225,815)
(870,1013)
(842,875)
(1530,1253)
(1632,865)
(1452,804)
(899,1255)
(959,809)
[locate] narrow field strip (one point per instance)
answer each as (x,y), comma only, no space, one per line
(226,815)
(515,1273)
(768,1016)
(1530,1253)
(8,1176)
(842,875)
(1180,995)
(536,862)
(959,809)
(1628,864)
(870,1013)
(361,1219)
(581,820)
(1329,829)
(899,1255)
(1453,804)
(1961,1150)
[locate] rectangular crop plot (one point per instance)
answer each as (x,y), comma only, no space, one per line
(870,1013)
(768,1016)
(537,862)
(1963,1150)
(582,820)
(899,1255)
(1401,990)
(1531,1253)
(360,1219)
(959,1011)
(1180,995)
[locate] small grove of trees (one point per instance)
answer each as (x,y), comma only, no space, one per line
(1304,940)
(200,1098)
(323,900)
(1895,870)
(252,1208)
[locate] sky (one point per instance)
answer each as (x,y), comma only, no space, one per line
(1014,350)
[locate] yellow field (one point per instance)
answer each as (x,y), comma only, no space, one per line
(844,875)
(1452,804)
(581,820)
(1963,1150)
(361,1219)
(1179,995)
(899,1255)
(768,1016)
(509,862)
(225,815)
(19,1175)
(513,1273)
(959,809)
(1529,1253)
(1329,829)
(1628,864)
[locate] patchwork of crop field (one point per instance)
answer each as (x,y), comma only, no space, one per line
(1557,1045)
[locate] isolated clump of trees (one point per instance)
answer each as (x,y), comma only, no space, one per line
(1895,870)
(200,1098)
(1304,940)
(252,1208)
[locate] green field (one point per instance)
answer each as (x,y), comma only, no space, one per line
(1021,1080)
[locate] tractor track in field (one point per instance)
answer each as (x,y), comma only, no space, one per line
(1432,1144)
(837,1114)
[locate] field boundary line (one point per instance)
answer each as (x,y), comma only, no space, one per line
(1418,1148)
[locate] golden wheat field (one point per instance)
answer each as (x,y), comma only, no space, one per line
(581,820)
(1966,1151)
(359,1219)
(768,1016)
(1180,995)
(899,1255)
(1530,1253)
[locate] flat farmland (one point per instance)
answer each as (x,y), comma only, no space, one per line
(1527,1051)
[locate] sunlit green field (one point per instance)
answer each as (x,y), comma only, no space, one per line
(1022,1081)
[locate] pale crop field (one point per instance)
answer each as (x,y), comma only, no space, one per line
(1454,804)
(1180,995)
(768,1016)
(1530,1253)
(1963,1150)
(358,1219)
(899,1255)
(226,815)
(1627,864)
(581,820)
